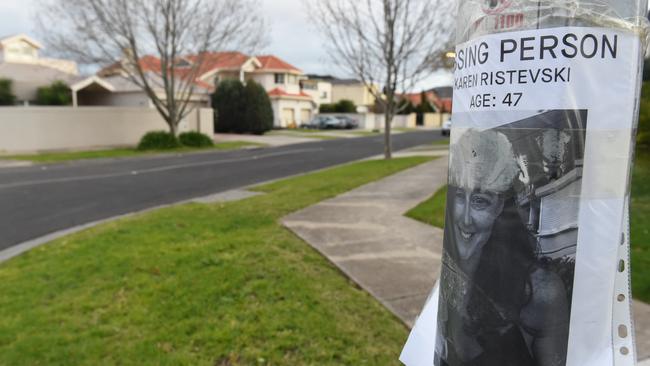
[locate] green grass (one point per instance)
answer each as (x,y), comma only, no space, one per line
(57,157)
(432,212)
(366,133)
(303,130)
(196,284)
(640,235)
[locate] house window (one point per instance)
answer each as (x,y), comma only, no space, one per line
(323,95)
(279,78)
(293,79)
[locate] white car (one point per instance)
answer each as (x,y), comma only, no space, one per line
(446,127)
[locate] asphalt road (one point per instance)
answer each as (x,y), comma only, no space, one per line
(39,200)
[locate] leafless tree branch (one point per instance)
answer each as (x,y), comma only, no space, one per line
(103,32)
(390,45)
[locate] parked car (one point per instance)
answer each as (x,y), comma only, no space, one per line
(331,123)
(446,127)
(348,123)
(317,123)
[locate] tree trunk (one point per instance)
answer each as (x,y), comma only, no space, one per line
(388,148)
(173,126)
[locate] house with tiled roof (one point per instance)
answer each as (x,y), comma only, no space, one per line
(440,99)
(291,106)
(21,62)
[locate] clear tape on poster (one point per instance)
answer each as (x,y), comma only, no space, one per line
(480,17)
(611,148)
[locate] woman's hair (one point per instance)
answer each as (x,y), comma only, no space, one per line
(483,160)
(506,264)
(507,261)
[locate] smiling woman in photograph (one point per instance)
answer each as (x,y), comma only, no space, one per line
(498,305)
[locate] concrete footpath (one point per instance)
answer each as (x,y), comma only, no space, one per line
(365,234)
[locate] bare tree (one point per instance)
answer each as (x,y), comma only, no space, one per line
(389,43)
(101,32)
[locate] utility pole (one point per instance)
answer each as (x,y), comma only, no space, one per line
(536,253)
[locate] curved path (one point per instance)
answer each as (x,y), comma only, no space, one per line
(365,234)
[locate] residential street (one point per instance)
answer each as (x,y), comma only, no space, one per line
(42,199)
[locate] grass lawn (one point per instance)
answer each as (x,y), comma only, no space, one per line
(303,130)
(640,225)
(366,132)
(432,212)
(57,157)
(196,284)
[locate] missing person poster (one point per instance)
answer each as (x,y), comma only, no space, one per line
(534,264)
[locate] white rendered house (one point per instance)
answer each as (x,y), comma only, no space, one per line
(21,63)
(291,106)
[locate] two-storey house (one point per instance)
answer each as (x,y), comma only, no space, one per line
(20,62)
(291,106)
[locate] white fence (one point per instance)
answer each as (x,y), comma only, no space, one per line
(375,121)
(30,129)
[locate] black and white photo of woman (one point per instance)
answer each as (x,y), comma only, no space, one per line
(498,304)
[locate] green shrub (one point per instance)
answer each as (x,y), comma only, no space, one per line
(6,92)
(242,109)
(405,106)
(56,94)
(158,140)
(195,139)
(229,105)
(343,106)
(327,108)
(258,114)
(425,106)
(346,106)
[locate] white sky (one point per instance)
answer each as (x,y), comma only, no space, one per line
(292,37)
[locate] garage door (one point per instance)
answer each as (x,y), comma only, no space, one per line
(305,115)
(288,118)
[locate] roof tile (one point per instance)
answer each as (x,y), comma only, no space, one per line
(270,62)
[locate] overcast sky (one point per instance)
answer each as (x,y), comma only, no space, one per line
(292,37)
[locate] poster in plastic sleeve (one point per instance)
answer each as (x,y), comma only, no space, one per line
(535,256)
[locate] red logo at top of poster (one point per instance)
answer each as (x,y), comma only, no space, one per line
(492,7)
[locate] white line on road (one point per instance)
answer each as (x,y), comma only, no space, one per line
(152,170)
